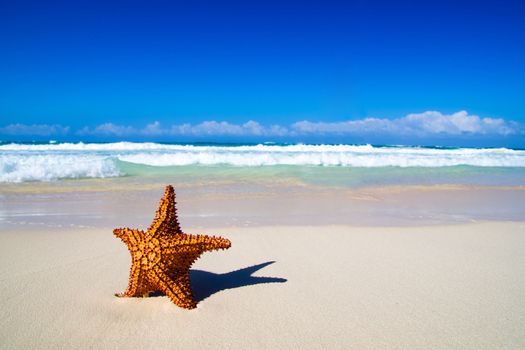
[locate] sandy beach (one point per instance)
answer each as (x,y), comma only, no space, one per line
(321,257)
(426,287)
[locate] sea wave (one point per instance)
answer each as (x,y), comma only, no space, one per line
(327,158)
(38,167)
(46,162)
(150,146)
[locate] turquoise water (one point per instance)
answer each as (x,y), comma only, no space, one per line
(334,176)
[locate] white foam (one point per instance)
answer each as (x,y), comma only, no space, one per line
(376,157)
(150,146)
(39,167)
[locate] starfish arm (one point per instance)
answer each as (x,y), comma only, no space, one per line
(177,287)
(197,244)
(130,237)
(165,222)
(138,285)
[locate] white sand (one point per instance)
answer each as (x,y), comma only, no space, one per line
(440,287)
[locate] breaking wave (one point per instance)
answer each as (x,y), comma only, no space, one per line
(46,162)
(40,167)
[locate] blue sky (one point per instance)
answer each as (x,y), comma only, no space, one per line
(319,71)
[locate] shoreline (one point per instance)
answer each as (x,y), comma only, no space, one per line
(245,205)
(134,184)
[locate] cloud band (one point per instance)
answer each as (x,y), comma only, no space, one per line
(425,124)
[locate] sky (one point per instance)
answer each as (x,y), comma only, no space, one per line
(409,72)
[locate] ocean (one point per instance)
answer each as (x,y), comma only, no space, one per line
(323,165)
(119,184)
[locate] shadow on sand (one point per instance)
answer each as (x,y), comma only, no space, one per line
(205,284)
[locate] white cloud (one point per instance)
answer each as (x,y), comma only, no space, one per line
(34,129)
(457,123)
(207,128)
(417,124)
(360,126)
(425,124)
(153,129)
(108,129)
(250,128)
(217,128)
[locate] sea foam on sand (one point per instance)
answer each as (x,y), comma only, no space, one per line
(335,287)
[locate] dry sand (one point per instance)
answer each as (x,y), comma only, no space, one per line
(330,287)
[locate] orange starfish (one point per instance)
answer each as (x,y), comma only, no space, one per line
(162,256)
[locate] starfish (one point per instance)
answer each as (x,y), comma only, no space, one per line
(161,257)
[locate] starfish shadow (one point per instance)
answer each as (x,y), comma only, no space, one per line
(205,284)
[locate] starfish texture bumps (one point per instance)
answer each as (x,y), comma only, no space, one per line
(161,257)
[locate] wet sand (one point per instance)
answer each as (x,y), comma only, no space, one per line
(118,202)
